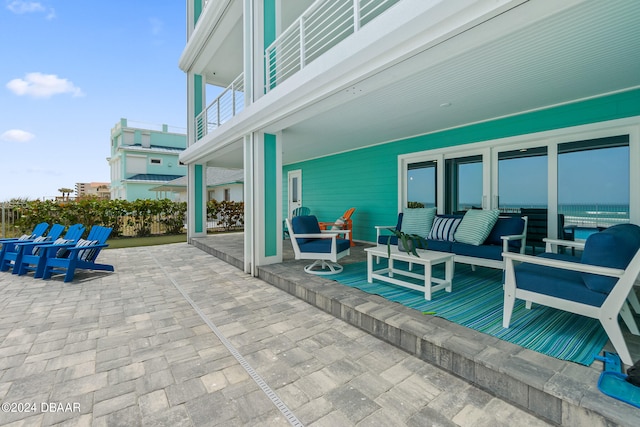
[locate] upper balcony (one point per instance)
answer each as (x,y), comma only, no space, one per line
(214,49)
(321,27)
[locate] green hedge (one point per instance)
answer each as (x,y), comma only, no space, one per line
(141,217)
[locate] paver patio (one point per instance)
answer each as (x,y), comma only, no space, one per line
(146,346)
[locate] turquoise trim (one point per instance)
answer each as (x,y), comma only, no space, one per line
(197,11)
(269,22)
(270,196)
(269,31)
(367,179)
(197,198)
(198,103)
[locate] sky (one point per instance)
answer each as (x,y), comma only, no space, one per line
(584,177)
(70,70)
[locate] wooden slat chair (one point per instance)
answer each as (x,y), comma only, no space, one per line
(8,244)
(597,285)
(343,223)
(14,252)
(30,258)
(37,231)
(82,255)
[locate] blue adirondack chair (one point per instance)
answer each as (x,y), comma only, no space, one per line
(15,250)
(9,243)
(30,259)
(37,231)
(82,255)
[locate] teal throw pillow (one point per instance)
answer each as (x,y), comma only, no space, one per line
(476,226)
(418,221)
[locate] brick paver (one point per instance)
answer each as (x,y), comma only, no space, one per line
(127,348)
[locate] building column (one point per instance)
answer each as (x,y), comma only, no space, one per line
(196,201)
(263,201)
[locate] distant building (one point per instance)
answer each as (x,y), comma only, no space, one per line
(143,158)
(100,190)
(222,185)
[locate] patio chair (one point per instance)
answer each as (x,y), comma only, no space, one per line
(37,231)
(597,285)
(82,255)
(8,243)
(296,212)
(30,257)
(13,251)
(322,246)
(342,223)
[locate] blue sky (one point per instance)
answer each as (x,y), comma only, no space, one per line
(70,70)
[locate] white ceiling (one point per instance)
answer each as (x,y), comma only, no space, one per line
(585,51)
(589,49)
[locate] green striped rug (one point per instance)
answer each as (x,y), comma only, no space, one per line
(476,302)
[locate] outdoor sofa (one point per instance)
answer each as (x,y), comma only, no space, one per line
(485,248)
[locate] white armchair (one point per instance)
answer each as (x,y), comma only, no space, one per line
(323,246)
(598,285)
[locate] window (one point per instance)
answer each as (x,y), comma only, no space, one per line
(593,182)
(522,179)
(464,183)
(227,195)
(155,161)
(421,184)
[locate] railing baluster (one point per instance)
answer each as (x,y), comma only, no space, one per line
(302,43)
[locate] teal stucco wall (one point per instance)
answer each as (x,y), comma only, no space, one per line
(367,179)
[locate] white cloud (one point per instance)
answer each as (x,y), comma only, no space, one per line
(156,26)
(20,7)
(40,85)
(17,135)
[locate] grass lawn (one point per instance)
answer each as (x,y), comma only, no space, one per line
(130,242)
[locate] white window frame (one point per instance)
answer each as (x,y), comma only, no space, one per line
(152,159)
(551,139)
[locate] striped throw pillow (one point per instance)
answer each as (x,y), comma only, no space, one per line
(444,228)
(86,254)
(476,226)
(36,249)
(62,252)
(418,221)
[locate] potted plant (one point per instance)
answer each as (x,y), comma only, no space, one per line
(407,243)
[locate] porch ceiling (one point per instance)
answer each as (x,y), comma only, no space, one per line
(590,49)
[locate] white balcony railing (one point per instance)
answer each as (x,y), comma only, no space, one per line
(318,29)
(229,103)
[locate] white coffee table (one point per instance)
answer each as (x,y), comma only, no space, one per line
(426,258)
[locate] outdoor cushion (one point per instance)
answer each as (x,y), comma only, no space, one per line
(391,239)
(323,245)
(36,249)
(444,228)
(338,224)
(62,252)
(556,282)
(439,245)
(613,247)
(305,224)
(480,251)
(506,226)
(87,254)
(418,221)
(476,226)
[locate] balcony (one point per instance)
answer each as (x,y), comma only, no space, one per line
(229,103)
(321,27)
